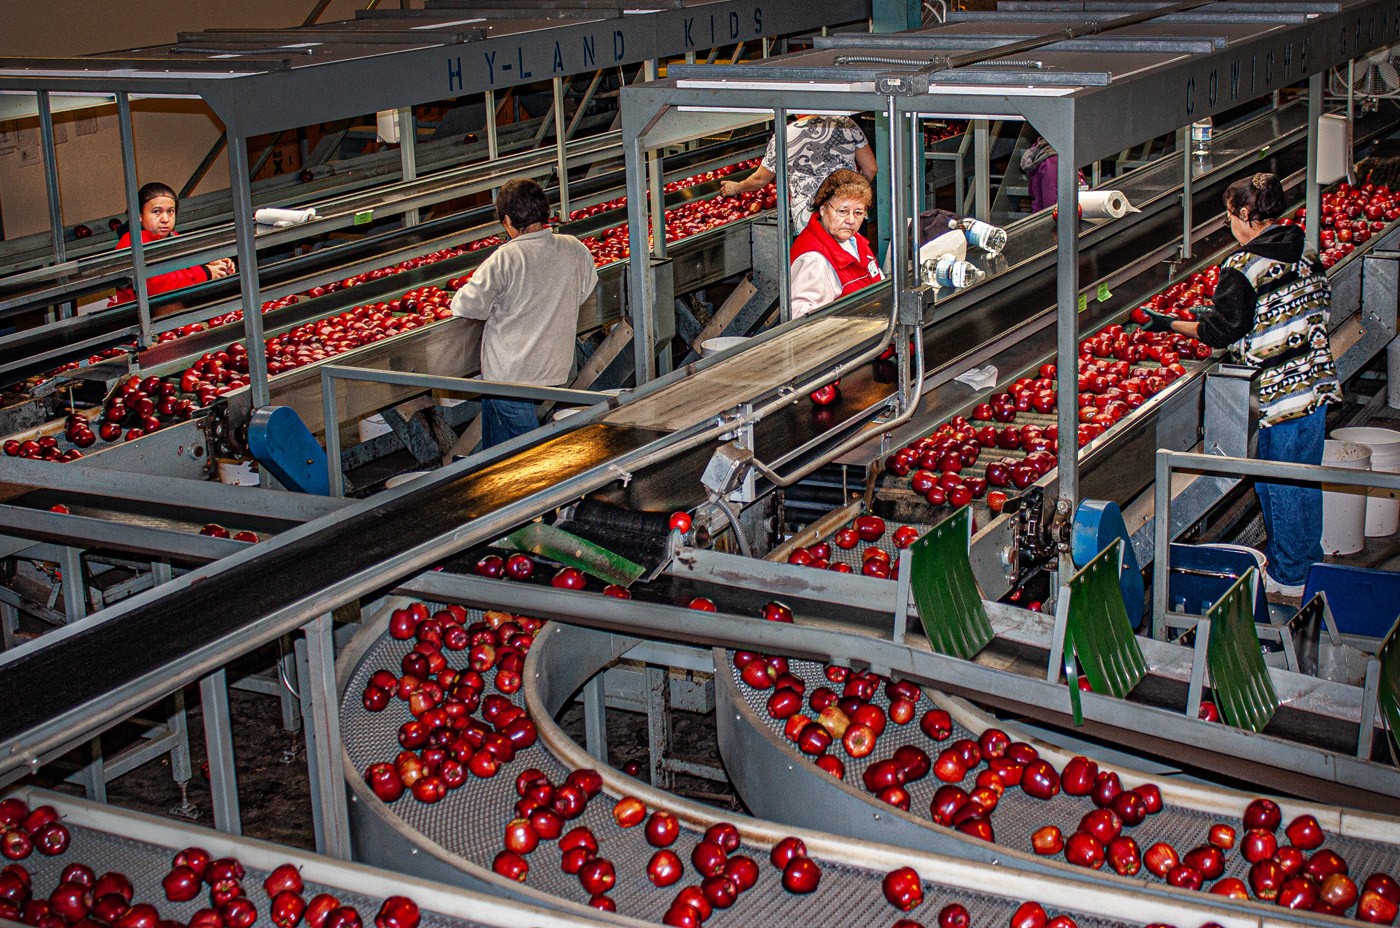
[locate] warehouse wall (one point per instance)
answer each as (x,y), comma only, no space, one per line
(171,135)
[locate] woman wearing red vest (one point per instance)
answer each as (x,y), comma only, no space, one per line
(158,208)
(830,258)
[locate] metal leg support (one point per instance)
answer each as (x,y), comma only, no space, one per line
(218,744)
(595,719)
(286,672)
(93,774)
(323,740)
(658,726)
(74,587)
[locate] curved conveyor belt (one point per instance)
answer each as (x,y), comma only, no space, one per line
(141,847)
(454,840)
(753,745)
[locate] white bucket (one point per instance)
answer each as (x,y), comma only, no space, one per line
(1260,558)
(713,346)
(566,413)
(239,473)
(1383,507)
(1344,508)
(373,426)
(399,480)
(1392,374)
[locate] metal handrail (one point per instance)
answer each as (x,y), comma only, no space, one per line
(1170,461)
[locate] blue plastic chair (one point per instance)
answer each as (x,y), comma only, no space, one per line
(1197,592)
(1363,600)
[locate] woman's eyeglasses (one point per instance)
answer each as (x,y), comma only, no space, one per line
(856,214)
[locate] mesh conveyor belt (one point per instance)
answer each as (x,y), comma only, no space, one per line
(115,652)
(146,864)
(1018,815)
(470,823)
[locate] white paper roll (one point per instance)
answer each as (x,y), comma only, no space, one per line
(271,216)
(1105,204)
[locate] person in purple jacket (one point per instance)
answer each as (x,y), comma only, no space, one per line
(1042,167)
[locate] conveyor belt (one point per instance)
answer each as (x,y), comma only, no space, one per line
(83,335)
(463,830)
(141,847)
(155,631)
(1183,823)
(291,577)
(852,620)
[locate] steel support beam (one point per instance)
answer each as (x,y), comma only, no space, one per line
(408,155)
(218,744)
(323,740)
(1067,346)
(51,176)
(240,189)
(1313,200)
(133,212)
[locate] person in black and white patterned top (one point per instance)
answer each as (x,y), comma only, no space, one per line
(816,146)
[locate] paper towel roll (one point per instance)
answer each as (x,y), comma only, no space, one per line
(271,216)
(1105,204)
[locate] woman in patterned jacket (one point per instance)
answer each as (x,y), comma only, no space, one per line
(1271,306)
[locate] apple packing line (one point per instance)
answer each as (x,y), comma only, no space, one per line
(457,838)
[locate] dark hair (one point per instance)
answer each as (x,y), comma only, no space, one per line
(149,192)
(843,183)
(1261,194)
(523,201)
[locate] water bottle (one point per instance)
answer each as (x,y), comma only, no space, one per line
(985,236)
(951,272)
(1201,131)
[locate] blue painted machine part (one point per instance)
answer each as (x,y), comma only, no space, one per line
(285,446)
(1096,524)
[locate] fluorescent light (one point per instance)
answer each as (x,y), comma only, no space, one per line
(812,86)
(759,111)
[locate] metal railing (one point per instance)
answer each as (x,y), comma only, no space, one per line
(331,404)
(1169,462)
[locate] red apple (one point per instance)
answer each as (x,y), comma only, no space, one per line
(801,875)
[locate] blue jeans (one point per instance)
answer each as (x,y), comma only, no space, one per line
(1292,512)
(503,419)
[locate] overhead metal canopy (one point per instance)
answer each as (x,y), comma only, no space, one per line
(1110,90)
(260,81)
(1093,79)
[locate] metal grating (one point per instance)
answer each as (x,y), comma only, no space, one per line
(146,864)
(1018,815)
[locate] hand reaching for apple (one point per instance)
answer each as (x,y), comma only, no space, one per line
(220,268)
(730,188)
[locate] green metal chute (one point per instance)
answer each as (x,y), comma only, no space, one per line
(573,551)
(1238,676)
(945,591)
(1097,631)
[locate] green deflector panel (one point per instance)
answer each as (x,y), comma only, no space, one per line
(1240,680)
(1097,627)
(567,548)
(1388,693)
(945,591)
